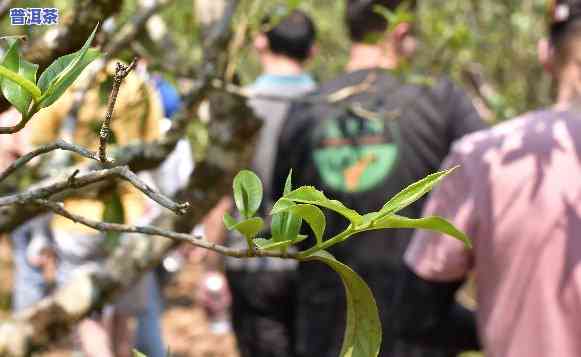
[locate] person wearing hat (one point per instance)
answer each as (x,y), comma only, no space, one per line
(517,194)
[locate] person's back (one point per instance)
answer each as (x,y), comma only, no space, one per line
(262,288)
(362,138)
(524,197)
(274,113)
(517,195)
(363,161)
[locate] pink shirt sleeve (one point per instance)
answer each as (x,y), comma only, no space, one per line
(438,257)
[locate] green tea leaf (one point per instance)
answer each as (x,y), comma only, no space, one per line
(61,83)
(310,195)
(368,220)
(266,244)
(363,330)
(55,80)
(312,215)
(269,244)
(17,83)
(249,228)
(285,226)
(136,353)
(229,221)
(282,205)
(436,224)
(288,185)
(247,193)
(414,192)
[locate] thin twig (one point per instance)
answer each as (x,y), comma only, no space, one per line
(59,144)
(121,71)
(79,181)
(15,128)
(154,231)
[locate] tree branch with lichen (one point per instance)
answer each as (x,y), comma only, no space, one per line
(121,71)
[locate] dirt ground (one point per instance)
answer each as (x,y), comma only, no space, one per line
(184,325)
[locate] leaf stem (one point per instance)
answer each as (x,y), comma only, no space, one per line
(251,250)
(328,243)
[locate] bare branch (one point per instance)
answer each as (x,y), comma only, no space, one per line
(121,71)
(59,144)
(178,208)
(15,128)
(79,181)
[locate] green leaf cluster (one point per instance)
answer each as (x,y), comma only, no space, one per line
(18,81)
(306,204)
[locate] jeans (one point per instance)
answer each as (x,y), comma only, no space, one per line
(29,284)
(149,339)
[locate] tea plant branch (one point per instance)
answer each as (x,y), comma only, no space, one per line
(328,243)
(138,156)
(121,71)
(155,231)
(16,127)
(59,144)
(83,180)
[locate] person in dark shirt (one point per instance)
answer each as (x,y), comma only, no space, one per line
(361,138)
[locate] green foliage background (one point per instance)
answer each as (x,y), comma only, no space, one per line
(498,37)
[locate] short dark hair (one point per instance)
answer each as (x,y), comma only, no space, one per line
(293,36)
(363,20)
(564,24)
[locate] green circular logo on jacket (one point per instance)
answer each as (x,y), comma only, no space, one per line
(355,154)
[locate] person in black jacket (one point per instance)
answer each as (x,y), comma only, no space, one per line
(361,139)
